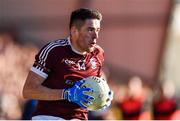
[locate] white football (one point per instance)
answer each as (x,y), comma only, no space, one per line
(101,92)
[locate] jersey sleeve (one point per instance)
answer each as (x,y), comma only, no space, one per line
(44,61)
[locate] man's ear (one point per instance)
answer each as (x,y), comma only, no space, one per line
(74,30)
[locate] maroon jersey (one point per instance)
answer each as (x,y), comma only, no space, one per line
(60,65)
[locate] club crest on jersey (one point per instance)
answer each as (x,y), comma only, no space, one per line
(93,63)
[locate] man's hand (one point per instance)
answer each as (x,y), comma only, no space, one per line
(76,94)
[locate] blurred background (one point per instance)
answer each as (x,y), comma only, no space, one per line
(141,39)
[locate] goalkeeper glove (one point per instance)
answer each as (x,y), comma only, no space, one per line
(77,95)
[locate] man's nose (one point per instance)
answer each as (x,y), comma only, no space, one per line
(96,35)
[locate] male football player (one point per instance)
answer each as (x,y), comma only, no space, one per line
(60,67)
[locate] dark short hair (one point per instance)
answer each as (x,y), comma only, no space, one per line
(79,16)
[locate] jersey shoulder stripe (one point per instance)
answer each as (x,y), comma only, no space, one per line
(42,65)
(45,51)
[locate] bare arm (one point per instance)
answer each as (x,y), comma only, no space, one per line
(34,90)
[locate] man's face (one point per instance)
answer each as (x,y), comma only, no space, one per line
(88,34)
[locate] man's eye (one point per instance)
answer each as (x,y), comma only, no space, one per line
(90,29)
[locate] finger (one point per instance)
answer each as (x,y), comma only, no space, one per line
(82,105)
(88,97)
(88,103)
(87,89)
(78,83)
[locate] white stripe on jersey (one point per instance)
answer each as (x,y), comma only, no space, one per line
(40,73)
(50,50)
(44,53)
(58,42)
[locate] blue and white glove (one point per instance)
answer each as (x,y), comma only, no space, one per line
(77,95)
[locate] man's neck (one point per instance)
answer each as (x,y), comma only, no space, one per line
(75,48)
(77,51)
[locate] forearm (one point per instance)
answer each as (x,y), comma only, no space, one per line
(33,89)
(43,93)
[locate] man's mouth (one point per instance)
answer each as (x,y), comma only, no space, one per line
(92,44)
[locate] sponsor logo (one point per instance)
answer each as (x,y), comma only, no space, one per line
(69,62)
(80,65)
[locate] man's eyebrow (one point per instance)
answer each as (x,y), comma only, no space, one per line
(93,28)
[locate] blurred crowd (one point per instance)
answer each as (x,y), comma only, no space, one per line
(132,101)
(15,61)
(138,101)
